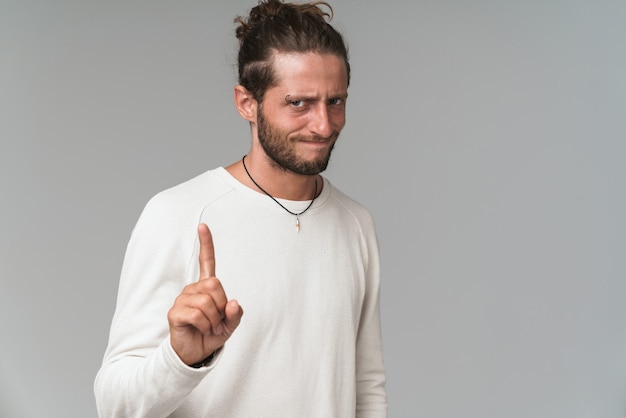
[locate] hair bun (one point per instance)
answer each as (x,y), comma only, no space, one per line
(269,10)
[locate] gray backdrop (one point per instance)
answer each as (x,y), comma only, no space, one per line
(487,138)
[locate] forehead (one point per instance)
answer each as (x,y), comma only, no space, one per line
(309,73)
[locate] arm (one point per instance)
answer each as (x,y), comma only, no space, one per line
(371,398)
(143,373)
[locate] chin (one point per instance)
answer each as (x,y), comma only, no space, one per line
(312,167)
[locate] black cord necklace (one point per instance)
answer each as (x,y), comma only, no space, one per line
(297,215)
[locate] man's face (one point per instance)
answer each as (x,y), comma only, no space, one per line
(301,117)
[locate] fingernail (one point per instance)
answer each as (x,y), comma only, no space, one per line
(219,329)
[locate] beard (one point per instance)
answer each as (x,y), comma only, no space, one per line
(279,148)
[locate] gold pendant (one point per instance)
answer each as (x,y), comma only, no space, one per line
(297,224)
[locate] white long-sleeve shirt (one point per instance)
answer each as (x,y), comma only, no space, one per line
(309,343)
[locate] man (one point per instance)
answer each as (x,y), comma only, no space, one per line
(299,256)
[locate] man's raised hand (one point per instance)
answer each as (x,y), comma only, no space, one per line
(202,318)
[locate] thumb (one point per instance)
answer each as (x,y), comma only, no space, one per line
(232,315)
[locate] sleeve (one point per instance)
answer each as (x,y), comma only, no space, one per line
(371,395)
(141,375)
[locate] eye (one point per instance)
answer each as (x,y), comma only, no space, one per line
(295,102)
(336,101)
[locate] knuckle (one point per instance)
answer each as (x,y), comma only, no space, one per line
(205,299)
(171,315)
(196,317)
(174,315)
(212,284)
(188,289)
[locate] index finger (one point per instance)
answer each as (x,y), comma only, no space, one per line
(207,252)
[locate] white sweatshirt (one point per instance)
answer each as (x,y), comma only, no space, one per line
(309,343)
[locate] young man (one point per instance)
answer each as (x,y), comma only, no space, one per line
(299,256)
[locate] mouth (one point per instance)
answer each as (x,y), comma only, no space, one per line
(318,140)
(317,145)
(315,141)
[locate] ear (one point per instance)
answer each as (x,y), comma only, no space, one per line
(246,104)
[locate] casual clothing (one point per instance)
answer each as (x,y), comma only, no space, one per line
(309,342)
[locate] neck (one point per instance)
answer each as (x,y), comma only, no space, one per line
(273,180)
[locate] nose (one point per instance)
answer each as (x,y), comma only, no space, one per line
(320,124)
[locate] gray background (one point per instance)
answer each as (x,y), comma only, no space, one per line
(487,138)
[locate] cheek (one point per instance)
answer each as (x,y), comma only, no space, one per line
(284,126)
(294,125)
(338,120)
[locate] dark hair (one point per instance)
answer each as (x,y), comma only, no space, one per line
(274,26)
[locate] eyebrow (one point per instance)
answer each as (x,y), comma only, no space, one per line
(290,97)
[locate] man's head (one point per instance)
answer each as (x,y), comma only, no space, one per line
(301,117)
(275,27)
(294,76)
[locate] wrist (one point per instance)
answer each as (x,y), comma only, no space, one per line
(204,362)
